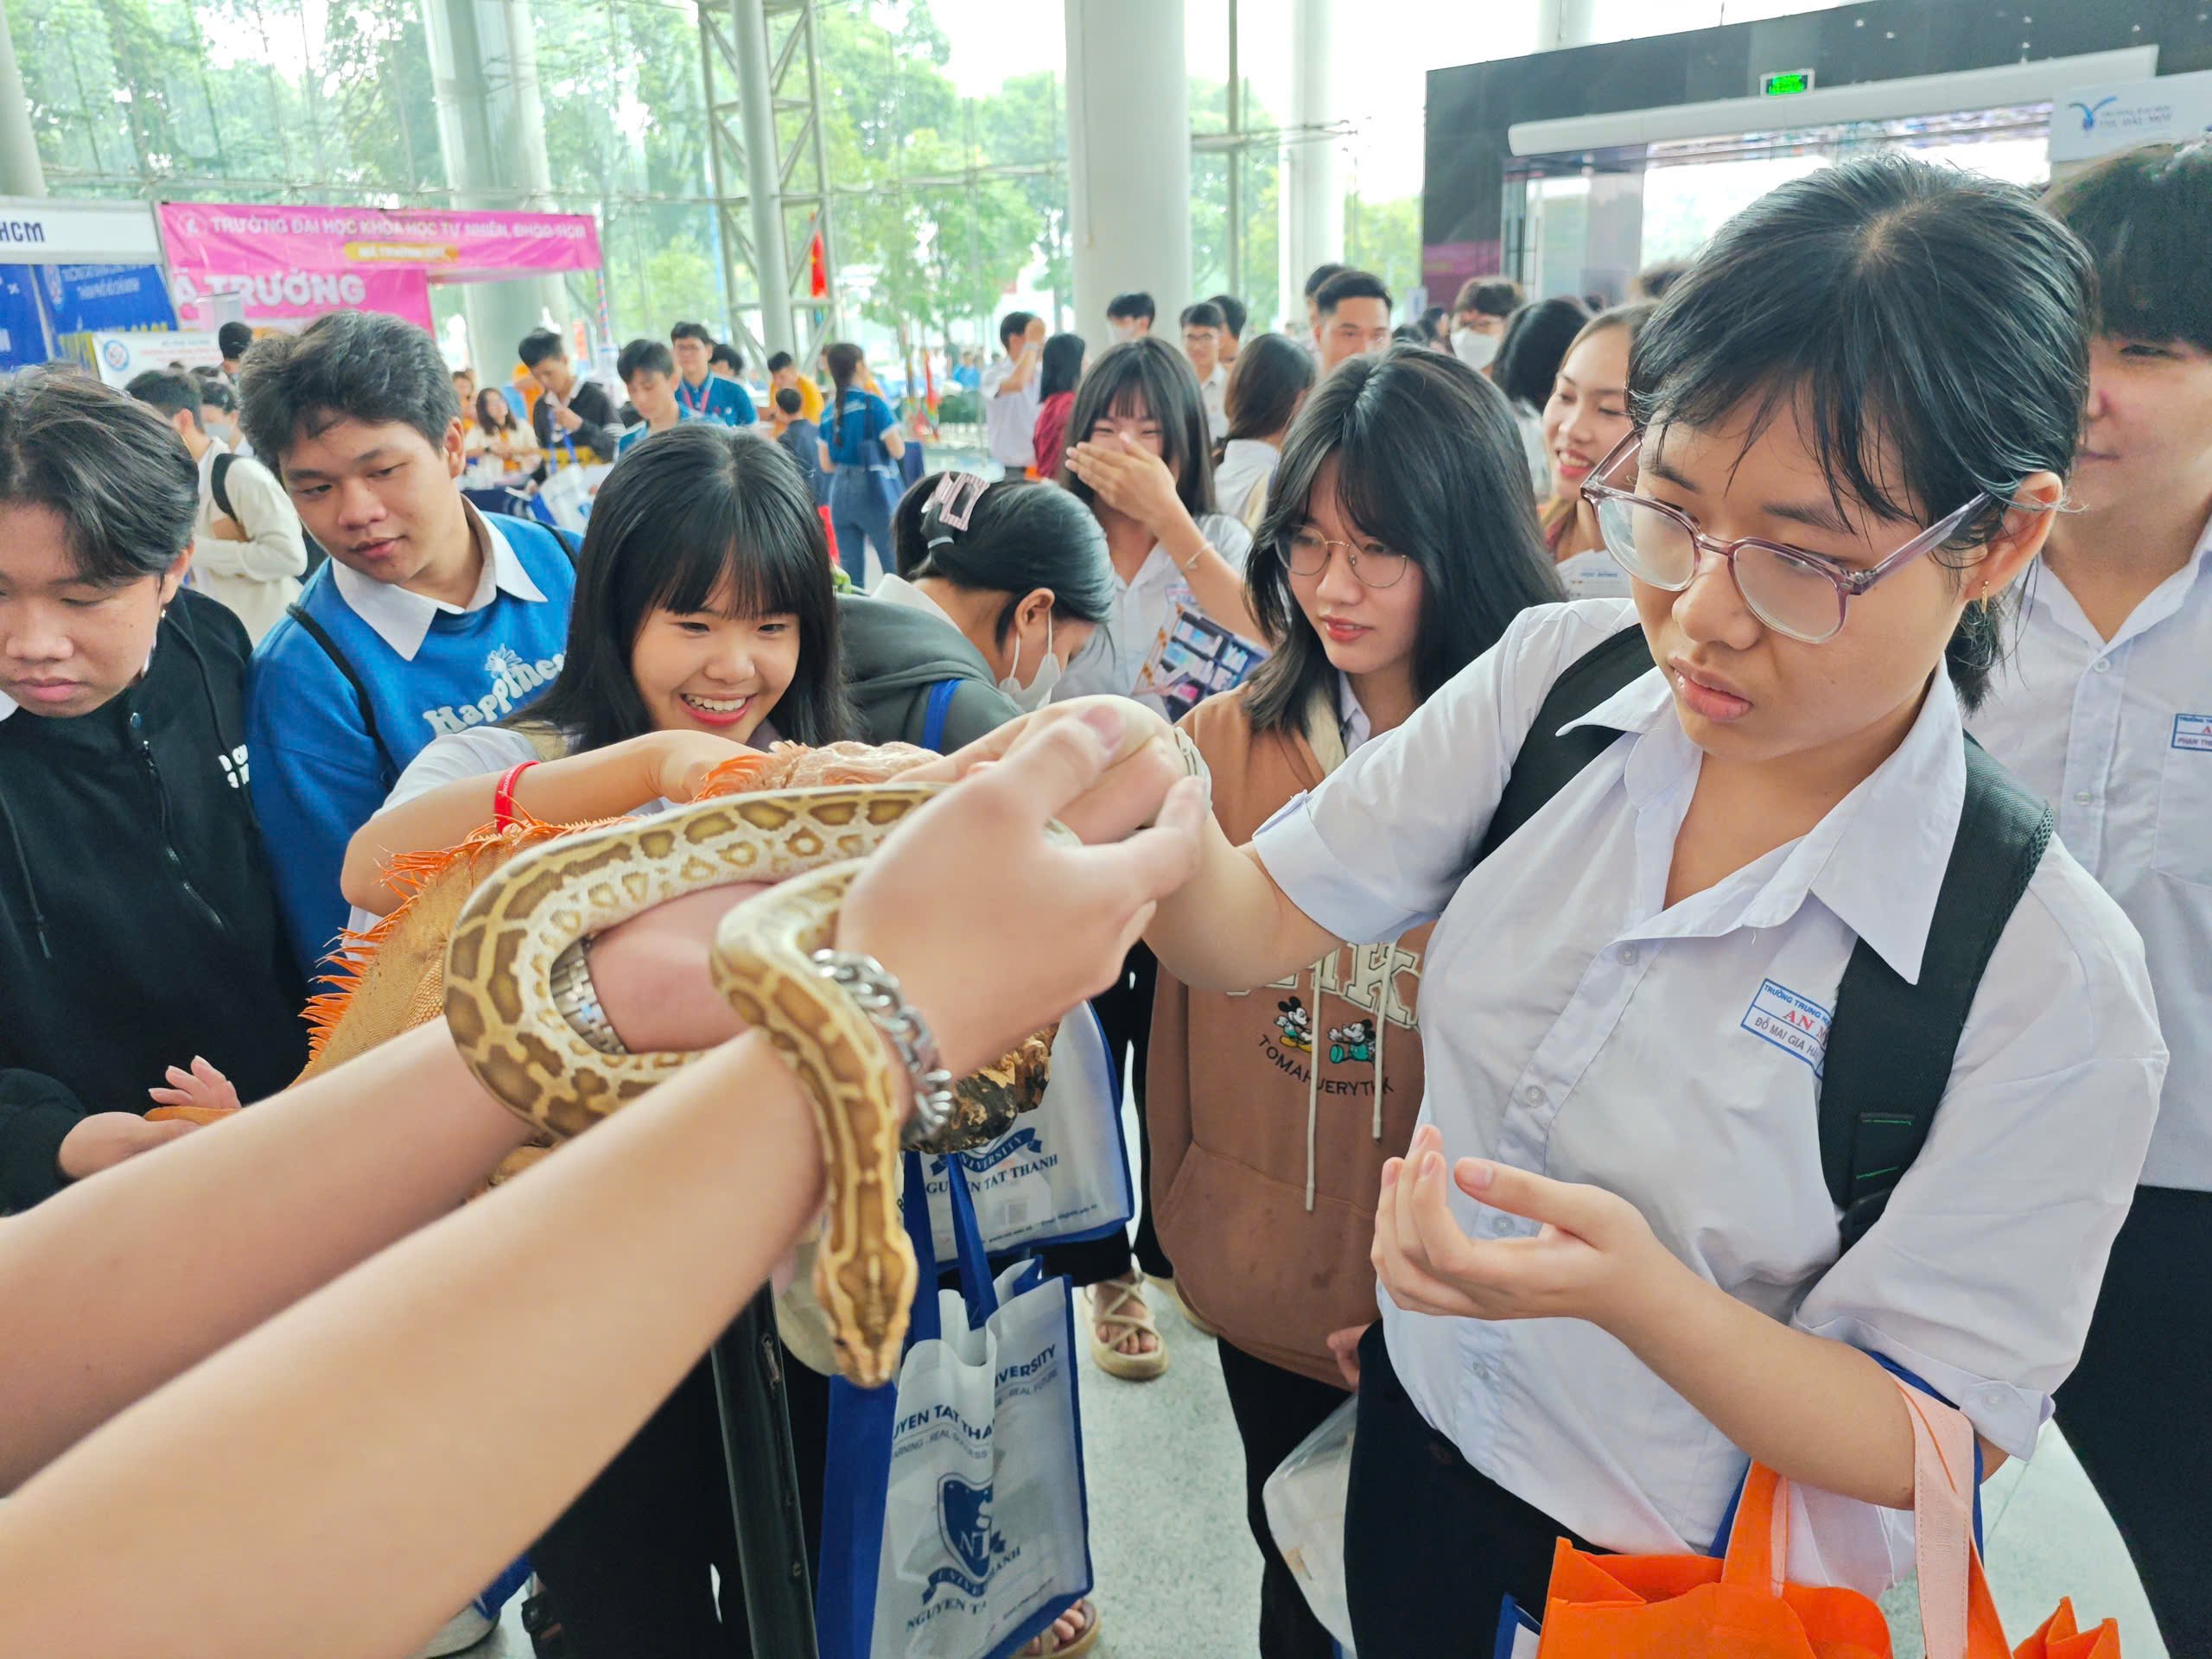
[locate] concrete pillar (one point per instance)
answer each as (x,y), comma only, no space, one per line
(1565,23)
(1312,190)
(1129,158)
(20,174)
(764,192)
(491,130)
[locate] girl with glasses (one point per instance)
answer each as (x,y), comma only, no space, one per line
(1614,1263)
(1377,594)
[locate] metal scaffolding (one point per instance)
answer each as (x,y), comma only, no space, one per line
(764,98)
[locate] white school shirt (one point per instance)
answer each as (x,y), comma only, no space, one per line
(1240,483)
(1010,420)
(2117,735)
(1592,574)
(1114,658)
(1213,392)
(1577,1026)
(402,618)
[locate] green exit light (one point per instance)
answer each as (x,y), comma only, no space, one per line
(1786,82)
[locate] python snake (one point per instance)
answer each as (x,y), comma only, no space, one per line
(499,1006)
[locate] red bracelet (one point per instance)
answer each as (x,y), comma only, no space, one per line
(503,797)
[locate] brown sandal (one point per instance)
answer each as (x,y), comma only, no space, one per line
(1111,1302)
(1047,1646)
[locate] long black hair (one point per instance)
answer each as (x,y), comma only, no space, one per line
(1429,463)
(1933,326)
(696,515)
(1061,368)
(1151,374)
(1535,343)
(844,359)
(1020,536)
(1269,377)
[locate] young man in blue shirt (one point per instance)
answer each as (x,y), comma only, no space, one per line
(429,618)
(706,396)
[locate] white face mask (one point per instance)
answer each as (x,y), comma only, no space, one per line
(1035,695)
(1473,348)
(1123,331)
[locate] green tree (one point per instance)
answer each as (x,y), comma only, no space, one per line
(1384,237)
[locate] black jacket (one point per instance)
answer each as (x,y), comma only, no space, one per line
(138,927)
(602,425)
(894,654)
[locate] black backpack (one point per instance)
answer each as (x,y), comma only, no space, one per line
(1891,1044)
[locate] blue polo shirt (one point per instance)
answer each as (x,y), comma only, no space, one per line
(716,399)
(320,769)
(851,430)
(636,435)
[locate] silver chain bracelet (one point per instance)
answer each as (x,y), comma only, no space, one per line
(876,991)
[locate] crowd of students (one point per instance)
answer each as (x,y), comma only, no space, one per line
(1605,1012)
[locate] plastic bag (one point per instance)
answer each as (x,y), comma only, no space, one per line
(1305,1500)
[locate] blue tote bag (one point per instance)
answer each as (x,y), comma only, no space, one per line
(956,1523)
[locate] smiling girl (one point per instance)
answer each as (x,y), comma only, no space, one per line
(705,620)
(704,605)
(1615,1266)
(1584,419)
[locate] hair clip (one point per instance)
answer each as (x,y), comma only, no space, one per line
(951,505)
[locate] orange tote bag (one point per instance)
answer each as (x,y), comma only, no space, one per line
(1694,1607)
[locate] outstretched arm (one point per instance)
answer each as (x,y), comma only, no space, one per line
(396,1421)
(580,788)
(1229,927)
(170,1257)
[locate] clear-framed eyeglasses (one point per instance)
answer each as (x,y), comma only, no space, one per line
(1305,551)
(1796,593)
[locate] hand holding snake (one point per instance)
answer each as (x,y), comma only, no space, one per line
(991,927)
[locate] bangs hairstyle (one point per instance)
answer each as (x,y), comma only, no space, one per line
(115,473)
(345,365)
(1150,373)
(2146,216)
(1429,464)
(1935,324)
(696,518)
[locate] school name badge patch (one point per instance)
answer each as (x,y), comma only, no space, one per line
(2193,732)
(1794,1024)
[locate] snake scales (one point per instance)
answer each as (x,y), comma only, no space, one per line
(499,1007)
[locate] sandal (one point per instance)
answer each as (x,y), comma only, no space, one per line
(1047,1646)
(1190,1314)
(1113,1314)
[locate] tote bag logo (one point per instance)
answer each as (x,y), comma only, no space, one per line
(963,1514)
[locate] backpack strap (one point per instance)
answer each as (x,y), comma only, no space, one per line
(321,635)
(1548,760)
(215,484)
(940,705)
(1891,1045)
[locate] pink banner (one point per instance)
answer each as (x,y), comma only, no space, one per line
(302,260)
(274,295)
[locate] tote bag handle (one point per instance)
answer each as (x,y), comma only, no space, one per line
(1957,1616)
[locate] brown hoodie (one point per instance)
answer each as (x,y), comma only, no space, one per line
(1268,1140)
